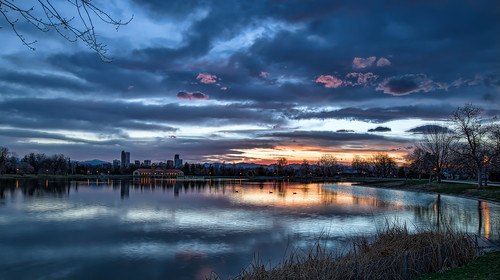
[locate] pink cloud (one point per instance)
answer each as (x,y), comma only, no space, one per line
(191,95)
(263,74)
(130,87)
(362,63)
(206,78)
(329,81)
(360,79)
(383,62)
(223,88)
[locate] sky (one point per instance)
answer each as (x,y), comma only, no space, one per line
(250,81)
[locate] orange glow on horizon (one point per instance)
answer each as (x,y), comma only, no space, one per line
(297,154)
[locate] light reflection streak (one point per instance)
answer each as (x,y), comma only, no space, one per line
(54,211)
(160,250)
(293,196)
(84,213)
(214,220)
(46,206)
(486,213)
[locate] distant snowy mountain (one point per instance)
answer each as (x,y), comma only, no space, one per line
(93,162)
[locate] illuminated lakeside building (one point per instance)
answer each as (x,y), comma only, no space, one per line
(163,173)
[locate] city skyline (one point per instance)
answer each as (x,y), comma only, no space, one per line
(241,81)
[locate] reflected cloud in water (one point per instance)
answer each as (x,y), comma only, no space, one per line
(147,228)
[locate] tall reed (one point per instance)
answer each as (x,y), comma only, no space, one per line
(394,253)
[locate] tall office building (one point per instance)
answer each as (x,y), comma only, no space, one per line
(125,159)
(177,162)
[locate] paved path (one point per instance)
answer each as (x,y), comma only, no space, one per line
(469,182)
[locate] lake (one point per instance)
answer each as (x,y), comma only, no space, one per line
(164,229)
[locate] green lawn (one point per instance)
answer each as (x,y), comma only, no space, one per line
(489,192)
(485,268)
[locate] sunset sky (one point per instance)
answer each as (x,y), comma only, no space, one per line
(250,80)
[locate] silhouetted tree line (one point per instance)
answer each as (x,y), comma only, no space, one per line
(469,148)
(41,164)
(327,166)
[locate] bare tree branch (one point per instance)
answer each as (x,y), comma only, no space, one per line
(44,16)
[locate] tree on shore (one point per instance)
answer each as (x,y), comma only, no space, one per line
(361,165)
(328,165)
(419,162)
(476,139)
(383,165)
(73,20)
(436,144)
(281,162)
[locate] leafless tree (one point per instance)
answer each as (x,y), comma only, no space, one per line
(437,142)
(419,161)
(328,165)
(476,138)
(383,165)
(46,15)
(282,162)
(361,165)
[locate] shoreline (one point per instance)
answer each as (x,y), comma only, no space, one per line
(490,193)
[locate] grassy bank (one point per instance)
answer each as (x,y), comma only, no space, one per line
(485,268)
(468,190)
(394,253)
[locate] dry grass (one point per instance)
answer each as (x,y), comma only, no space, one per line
(394,253)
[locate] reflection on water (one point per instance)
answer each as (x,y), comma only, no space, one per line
(160,228)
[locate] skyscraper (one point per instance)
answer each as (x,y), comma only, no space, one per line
(125,160)
(177,161)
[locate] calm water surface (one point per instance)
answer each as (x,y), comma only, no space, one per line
(146,229)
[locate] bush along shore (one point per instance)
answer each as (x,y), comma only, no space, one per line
(394,253)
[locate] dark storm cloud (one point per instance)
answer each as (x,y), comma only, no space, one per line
(322,42)
(424,128)
(110,116)
(379,129)
(191,95)
(441,51)
(380,115)
(43,80)
(114,78)
(334,140)
(30,134)
(406,84)
(325,135)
